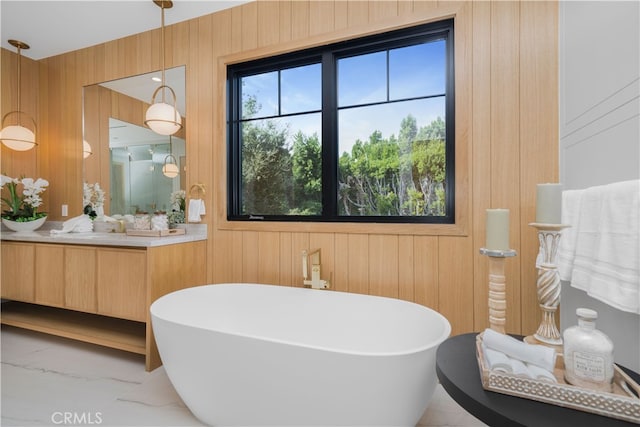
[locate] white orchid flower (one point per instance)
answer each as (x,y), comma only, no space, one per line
(92,195)
(33,201)
(5,180)
(30,194)
(41,183)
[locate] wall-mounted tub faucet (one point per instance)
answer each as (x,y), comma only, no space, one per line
(316,282)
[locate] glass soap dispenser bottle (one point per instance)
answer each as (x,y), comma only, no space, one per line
(588,354)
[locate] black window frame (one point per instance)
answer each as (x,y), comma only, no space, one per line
(328,56)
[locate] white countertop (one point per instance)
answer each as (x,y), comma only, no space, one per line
(194,232)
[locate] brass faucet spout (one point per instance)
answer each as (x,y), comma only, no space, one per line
(314,258)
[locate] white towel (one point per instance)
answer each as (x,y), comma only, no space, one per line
(196,209)
(539,355)
(78,224)
(571,205)
(601,254)
(500,362)
(496,361)
(541,374)
(519,368)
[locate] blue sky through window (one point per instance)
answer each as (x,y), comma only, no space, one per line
(414,71)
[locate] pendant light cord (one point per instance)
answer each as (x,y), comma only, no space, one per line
(163,49)
(19,83)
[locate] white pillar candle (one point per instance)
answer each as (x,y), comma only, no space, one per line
(549,204)
(497,229)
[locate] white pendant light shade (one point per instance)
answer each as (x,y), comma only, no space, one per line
(86,149)
(170,170)
(18,138)
(163,119)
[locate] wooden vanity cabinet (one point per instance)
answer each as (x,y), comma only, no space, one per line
(97,294)
(121,283)
(18,278)
(80,278)
(49,274)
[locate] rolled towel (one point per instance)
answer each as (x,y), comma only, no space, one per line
(519,368)
(496,360)
(541,374)
(539,355)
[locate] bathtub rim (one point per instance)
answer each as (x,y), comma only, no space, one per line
(419,349)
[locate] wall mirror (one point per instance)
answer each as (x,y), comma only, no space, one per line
(126,156)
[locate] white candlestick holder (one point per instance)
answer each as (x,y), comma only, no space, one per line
(497,287)
(548,285)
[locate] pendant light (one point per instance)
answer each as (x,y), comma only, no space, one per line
(161,117)
(86,149)
(170,168)
(16,136)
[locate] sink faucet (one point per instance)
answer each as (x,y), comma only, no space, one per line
(316,282)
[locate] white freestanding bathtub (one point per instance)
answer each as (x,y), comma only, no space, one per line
(263,355)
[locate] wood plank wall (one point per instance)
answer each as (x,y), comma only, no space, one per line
(507,122)
(19,163)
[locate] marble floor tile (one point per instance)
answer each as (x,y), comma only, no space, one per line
(443,411)
(47,378)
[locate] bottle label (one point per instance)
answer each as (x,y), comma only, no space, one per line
(589,366)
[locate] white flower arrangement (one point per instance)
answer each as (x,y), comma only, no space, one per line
(92,199)
(92,195)
(178,200)
(23,208)
(178,204)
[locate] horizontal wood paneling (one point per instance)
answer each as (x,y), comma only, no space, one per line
(506,125)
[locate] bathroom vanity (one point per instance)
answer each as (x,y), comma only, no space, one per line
(97,287)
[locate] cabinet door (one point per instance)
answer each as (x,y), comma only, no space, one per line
(80,278)
(50,275)
(17,271)
(122,277)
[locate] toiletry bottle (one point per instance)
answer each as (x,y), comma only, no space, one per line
(588,354)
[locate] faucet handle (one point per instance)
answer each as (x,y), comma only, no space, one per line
(305,268)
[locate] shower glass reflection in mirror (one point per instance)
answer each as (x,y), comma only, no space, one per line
(113,120)
(137,156)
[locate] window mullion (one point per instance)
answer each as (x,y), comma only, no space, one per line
(234,149)
(388,81)
(329,137)
(279,92)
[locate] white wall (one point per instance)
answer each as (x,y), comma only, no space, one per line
(600,129)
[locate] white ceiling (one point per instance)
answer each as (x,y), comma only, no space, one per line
(54,27)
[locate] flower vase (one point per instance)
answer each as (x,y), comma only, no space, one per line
(25,227)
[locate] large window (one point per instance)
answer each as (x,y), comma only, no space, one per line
(356,131)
